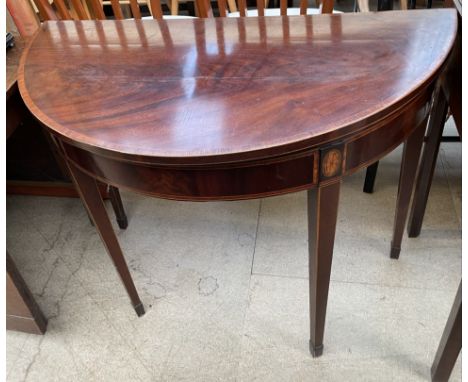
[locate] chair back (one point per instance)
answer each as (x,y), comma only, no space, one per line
(225,6)
(93,9)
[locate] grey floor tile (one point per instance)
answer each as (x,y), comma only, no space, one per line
(372,332)
(191,263)
(79,344)
(195,280)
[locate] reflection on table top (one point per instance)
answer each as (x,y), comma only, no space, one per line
(217,87)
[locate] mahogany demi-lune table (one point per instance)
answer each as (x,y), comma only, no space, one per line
(229,109)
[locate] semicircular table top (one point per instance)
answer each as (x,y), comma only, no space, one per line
(195,90)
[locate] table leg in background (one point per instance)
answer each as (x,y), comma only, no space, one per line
(409,165)
(117,204)
(428,162)
(369,181)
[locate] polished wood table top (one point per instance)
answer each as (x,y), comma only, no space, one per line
(213,90)
(226,109)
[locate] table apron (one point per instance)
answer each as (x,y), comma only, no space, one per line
(292,172)
(227,182)
(368,147)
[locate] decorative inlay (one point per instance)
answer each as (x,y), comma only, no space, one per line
(331,163)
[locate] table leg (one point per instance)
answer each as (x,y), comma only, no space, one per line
(409,165)
(91,197)
(428,162)
(116,201)
(369,182)
(450,343)
(322,212)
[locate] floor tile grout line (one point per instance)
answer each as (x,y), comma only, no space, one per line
(348,282)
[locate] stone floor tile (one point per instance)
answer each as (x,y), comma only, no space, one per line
(372,332)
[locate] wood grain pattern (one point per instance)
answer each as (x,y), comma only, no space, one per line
(206,103)
(221,182)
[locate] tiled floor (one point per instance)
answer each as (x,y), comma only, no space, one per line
(225,288)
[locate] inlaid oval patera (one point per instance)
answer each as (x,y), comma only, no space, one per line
(331,163)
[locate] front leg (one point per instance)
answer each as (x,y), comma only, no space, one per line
(91,197)
(322,213)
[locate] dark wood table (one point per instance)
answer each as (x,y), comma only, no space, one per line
(229,109)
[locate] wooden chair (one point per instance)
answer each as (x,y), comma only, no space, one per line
(94,9)
(229,8)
